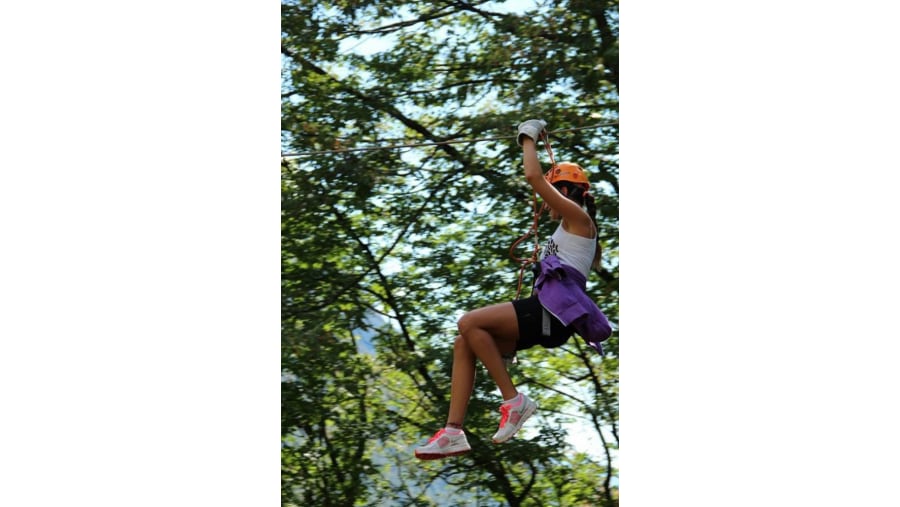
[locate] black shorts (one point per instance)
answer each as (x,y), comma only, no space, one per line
(530,314)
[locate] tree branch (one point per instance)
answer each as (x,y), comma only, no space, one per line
(390,300)
(393,27)
(488,15)
(389,109)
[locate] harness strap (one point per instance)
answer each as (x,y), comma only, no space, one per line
(545,323)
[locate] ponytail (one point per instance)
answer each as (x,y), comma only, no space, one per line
(592,211)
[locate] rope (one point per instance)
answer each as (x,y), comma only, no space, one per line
(525,262)
(436,143)
(533,231)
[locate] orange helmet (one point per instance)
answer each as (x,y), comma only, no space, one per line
(568,171)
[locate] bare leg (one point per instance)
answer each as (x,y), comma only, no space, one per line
(462,382)
(484,333)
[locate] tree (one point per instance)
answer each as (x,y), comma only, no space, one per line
(419,236)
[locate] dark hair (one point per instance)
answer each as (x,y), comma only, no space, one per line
(577,193)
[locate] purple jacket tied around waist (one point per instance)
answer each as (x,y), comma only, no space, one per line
(561,289)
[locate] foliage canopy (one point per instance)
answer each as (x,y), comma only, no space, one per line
(382,250)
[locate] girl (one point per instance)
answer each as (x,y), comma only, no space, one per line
(559,307)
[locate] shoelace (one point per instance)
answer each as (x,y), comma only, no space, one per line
(437,435)
(504,414)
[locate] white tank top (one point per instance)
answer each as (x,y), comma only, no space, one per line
(572,249)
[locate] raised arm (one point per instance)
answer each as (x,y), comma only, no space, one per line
(577,221)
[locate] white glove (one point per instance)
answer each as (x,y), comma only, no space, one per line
(532,129)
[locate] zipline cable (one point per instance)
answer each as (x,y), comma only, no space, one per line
(436,143)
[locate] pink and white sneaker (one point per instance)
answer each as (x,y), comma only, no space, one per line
(513,417)
(443,444)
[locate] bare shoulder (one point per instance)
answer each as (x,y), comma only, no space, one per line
(580,225)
